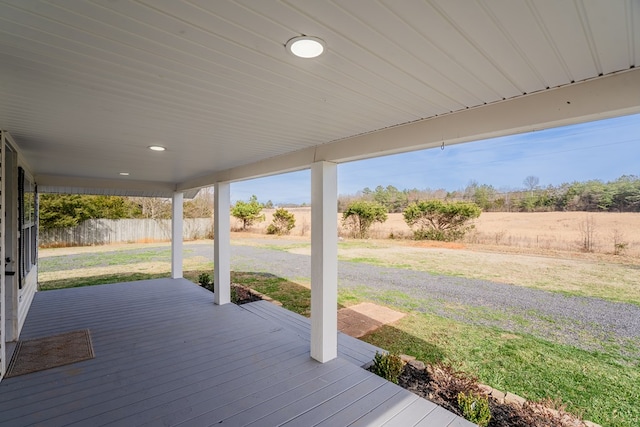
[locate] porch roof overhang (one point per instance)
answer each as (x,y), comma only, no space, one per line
(87,87)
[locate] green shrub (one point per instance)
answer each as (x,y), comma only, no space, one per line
(475,408)
(283,222)
(248,212)
(205,281)
(234,294)
(361,215)
(438,220)
(387,366)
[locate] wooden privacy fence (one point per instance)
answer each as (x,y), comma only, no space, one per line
(106,231)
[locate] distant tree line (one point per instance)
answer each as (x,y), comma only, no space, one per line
(621,195)
(69,210)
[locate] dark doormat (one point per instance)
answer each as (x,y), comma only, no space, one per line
(50,352)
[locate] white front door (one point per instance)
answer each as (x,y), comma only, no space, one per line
(8,253)
(3,346)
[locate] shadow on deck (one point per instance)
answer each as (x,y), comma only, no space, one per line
(166,355)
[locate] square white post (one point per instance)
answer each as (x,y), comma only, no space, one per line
(324,261)
(222,243)
(176,235)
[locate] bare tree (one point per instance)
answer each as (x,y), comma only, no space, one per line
(588,231)
(201,206)
(531,182)
(154,207)
(619,245)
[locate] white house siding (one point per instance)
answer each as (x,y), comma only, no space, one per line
(25,296)
(16,301)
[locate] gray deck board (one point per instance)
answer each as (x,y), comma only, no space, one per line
(385,411)
(358,351)
(332,382)
(334,404)
(309,400)
(459,422)
(122,366)
(275,403)
(212,409)
(413,414)
(174,402)
(137,390)
(365,404)
(201,396)
(166,355)
(439,416)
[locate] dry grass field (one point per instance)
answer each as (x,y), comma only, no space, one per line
(527,232)
(538,250)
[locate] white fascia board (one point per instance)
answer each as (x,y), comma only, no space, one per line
(600,98)
(290,162)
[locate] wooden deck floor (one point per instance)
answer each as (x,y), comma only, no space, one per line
(166,355)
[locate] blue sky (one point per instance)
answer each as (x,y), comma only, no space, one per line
(604,150)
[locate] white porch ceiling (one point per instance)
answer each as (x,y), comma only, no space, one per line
(86,86)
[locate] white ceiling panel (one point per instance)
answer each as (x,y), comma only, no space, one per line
(632,12)
(570,34)
(532,42)
(487,35)
(605,31)
(87,85)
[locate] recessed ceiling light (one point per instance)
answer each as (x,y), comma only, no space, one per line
(156,148)
(306,46)
(124,173)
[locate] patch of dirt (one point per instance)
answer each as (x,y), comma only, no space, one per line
(435,244)
(441,384)
(360,319)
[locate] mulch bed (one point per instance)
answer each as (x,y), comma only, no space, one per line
(441,384)
(243,295)
(239,294)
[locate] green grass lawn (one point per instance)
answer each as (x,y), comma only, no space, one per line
(600,387)
(603,387)
(115,258)
(293,297)
(77,282)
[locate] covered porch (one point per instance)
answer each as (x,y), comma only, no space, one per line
(159,99)
(165,354)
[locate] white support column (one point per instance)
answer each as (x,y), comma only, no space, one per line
(324,261)
(176,235)
(222,243)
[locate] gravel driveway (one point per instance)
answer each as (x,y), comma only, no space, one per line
(588,323)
